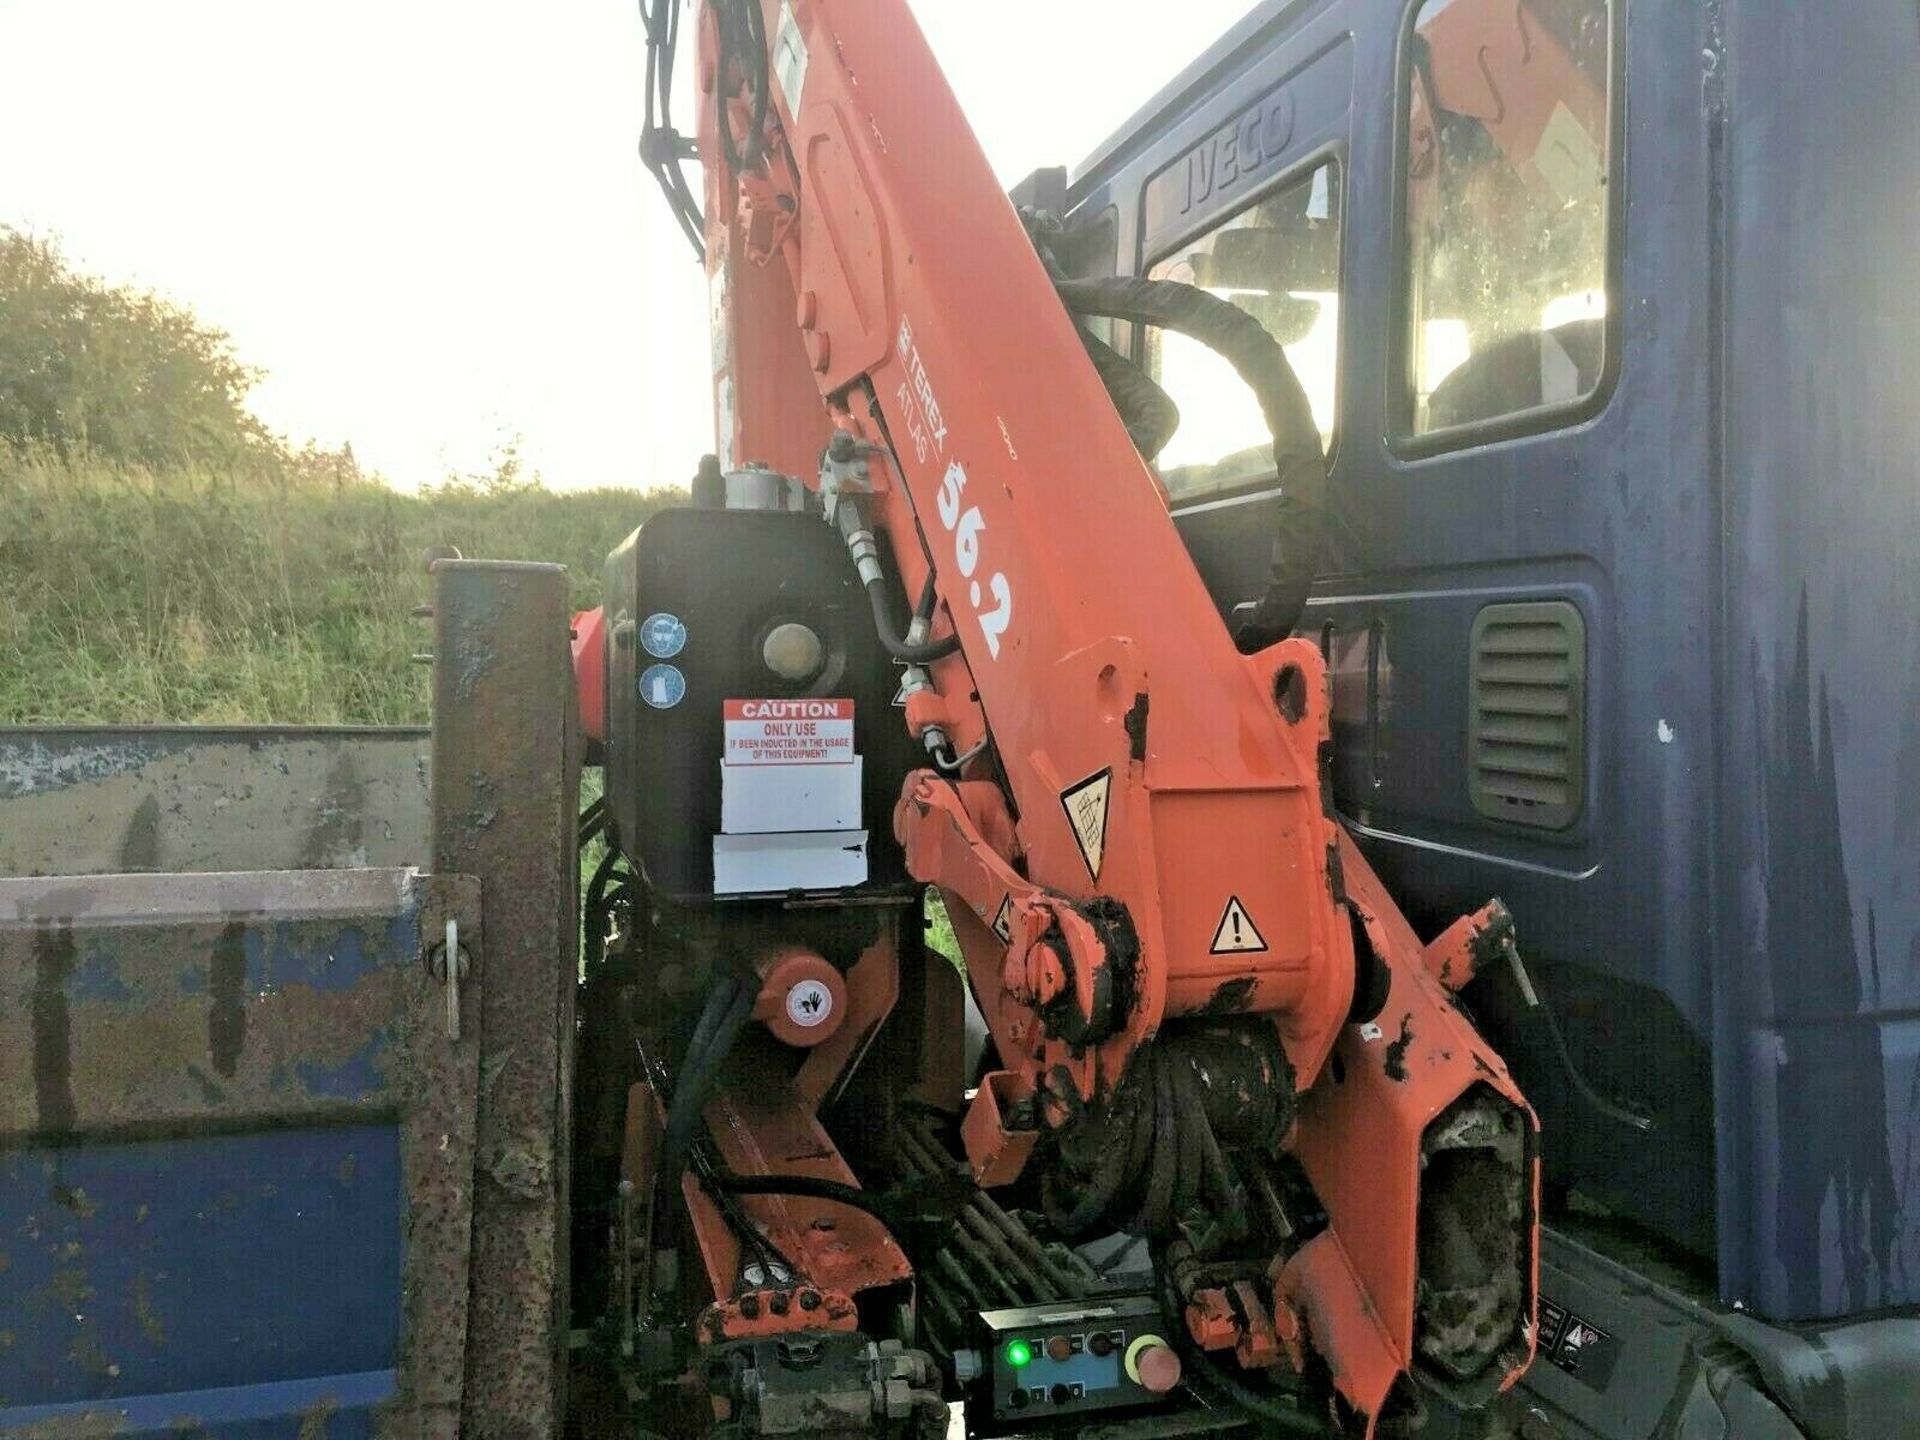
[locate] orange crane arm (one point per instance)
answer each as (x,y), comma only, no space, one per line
(1126,815)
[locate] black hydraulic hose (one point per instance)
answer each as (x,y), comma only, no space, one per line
(743,29)
(894,643)
(602,877)
(1260,361)
(597,907)
(851,519)
(729,1006)
(1151,1158)
(660,144)
(808,1187)
(1145,409)
(593,820)
(1157,1208)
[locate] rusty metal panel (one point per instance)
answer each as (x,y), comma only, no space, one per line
(96,801)
(236,1144)
(505,810)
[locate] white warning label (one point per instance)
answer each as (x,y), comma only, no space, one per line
(789,732)
(1086,807)
(790,58)
(809,1003)
(1236,933)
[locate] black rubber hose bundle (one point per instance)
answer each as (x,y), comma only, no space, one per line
(1258,358)
(608,889)
(743,37)
(661,146)
(1150,1158)
(1145,409)
(728,1007)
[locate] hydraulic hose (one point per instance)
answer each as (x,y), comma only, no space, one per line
(1260,361)
(892,641)
(857,530)
(1156,1148)
(729,1006)
(1145,409)
(743,36)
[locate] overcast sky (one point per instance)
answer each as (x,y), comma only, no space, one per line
(425,218)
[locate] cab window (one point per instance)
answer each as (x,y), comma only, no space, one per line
(1507,171)
(1279,260)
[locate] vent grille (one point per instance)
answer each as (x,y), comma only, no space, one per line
(1527,697)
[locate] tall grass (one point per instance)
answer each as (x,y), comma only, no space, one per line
(129,596)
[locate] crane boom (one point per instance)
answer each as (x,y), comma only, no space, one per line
(1127,816)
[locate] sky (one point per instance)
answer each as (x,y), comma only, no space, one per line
(425,219)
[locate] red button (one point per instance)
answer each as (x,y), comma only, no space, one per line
(1059,1348)
(1159,1369)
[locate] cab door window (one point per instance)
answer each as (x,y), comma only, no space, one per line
(1508,125)
(1279,260)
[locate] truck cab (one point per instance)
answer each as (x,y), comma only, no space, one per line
(1605,313)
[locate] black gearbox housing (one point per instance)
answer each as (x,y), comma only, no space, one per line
(731,576)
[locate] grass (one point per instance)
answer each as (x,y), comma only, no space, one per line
(140,598)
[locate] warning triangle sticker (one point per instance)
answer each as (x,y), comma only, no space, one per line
(1003,920)
(1086,806)
(1236,934)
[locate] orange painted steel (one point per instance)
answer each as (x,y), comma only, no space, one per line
(837,1251)
(763,1122)
(589,641)
(1174,851)
(1360,1140)
(787,971)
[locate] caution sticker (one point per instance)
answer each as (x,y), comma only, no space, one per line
(1577,1345)
(789,732)
(1086,806)
(1003,920)
(1236,933)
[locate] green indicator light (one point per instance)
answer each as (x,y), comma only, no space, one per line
(1019,1354)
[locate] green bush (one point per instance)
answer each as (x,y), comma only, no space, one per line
(120,374)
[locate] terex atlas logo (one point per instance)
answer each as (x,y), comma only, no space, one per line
(789,709)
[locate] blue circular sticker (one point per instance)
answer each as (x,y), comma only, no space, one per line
(662,686)
(663,635)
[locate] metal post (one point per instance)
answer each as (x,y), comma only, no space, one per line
(505,802)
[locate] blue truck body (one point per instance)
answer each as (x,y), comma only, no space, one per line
(251,1182)
(1729,927)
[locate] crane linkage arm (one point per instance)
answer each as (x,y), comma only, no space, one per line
(1127,816)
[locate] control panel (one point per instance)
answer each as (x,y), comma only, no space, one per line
(1040,1362)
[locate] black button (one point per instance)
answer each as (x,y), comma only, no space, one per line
(1100,1343)
(1018,1399)
(1061,1394)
